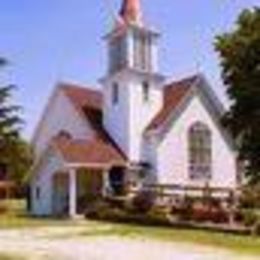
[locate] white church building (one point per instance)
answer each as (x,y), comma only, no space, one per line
(139,127)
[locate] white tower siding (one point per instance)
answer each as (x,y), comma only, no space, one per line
(116,116)
(127,120)
(141,114)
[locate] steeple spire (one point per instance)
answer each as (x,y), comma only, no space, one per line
(131,12)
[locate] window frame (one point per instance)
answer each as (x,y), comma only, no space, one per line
(37,192)
(115,93)
(142,51)
(117,54)
(146,91)
(200,152)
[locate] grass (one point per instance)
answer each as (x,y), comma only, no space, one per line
(17,217)
(238,243)
(9,257)
(10,221)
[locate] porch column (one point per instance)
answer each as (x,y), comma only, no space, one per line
(72,193)
(105,184)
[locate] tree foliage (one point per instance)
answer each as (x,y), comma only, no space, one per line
(239,52)
(14,151)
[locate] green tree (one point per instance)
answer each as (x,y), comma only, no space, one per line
(14,151)
(239,52)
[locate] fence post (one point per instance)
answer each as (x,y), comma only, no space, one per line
(232,207)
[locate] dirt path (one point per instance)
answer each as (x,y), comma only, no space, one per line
(66,244)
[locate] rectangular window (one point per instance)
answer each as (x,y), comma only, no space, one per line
(146,90)
(142,52)
(115,93)
(37,192)
(117,55)
(200,152)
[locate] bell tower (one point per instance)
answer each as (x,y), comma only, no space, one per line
(132,86)
(131,44)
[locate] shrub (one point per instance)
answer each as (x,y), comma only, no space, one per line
(183,210)
(200,210)
(248,217)
(250,196)
(256,228)
(158,215)
(96,208)
(142,202)
(210,213)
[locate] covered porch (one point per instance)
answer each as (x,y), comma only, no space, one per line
(91,169)
(73,190)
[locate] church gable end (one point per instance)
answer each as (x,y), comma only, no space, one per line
(175,158)
(177,97)
(60,115)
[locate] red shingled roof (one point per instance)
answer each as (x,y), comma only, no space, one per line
(83,97)
(102,149)
(173,95)
(89,104)
(94,151)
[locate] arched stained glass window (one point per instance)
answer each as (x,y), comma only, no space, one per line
(200,152)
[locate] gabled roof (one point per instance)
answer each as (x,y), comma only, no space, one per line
(173,95)
(88,103)
(177,94)
(101,148)
(82,97)
(90,152)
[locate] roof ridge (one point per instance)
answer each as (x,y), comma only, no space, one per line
(183,79)
(64,85)
(174,93)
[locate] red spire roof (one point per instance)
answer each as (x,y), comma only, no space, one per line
(131,12)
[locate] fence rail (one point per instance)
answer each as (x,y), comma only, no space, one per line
(174,190)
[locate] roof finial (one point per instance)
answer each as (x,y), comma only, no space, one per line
(131,12)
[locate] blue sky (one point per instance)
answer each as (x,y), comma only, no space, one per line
(61,40)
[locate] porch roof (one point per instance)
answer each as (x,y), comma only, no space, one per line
(93,152)
(6,184)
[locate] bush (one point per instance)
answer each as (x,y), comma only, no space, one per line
(104,210)
(209,213)
(250,196)
(183,210)
(96,208)
(200,210)
(248,217)
(256,228)
(142,202)
(158,215)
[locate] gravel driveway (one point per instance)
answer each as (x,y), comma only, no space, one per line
(66,243)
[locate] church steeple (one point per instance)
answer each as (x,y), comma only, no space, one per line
(131,45)
(131,12)
(132,86)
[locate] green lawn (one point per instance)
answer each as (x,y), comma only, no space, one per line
(237,243)
(17,217)
(9,257)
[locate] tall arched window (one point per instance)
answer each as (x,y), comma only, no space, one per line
(200,152)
